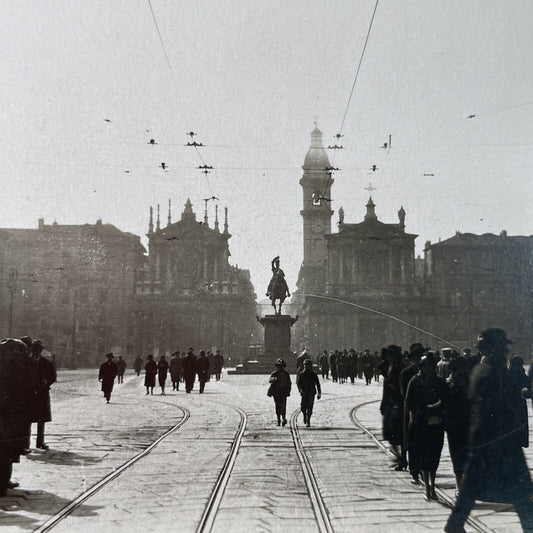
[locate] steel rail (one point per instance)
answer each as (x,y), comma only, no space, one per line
(211,509)
(319,507)
(74,504)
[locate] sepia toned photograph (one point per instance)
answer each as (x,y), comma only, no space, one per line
(266,266)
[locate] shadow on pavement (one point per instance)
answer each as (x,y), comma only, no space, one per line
(15,506)
(63,458)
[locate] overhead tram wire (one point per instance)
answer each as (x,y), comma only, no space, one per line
(339,133)
(175,84)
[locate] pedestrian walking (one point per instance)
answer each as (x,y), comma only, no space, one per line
(496,468)
(107,375)
(150,372)
(280,390)
(351,365)
(15,407)
(300,360)
(176,367)
(333,366)
(202,368)
(138,364)
(162,371)
(426,398)
(309,386)
(46,376)
(189,370)
(391,406)
(121,368)
(324,364)
(219,363)
(368,367)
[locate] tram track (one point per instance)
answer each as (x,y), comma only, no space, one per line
(474,523)
(80,499)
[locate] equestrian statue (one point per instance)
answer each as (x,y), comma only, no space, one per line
(277,288)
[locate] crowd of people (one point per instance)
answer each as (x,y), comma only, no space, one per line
(25,380)
(479,402)
(182,368)
(347,365)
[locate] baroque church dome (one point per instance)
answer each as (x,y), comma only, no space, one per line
(316,157)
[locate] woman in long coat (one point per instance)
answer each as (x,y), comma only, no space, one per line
(426,398)
(496,468)
(16,398)
(150,369)
(392,401)
(280,389)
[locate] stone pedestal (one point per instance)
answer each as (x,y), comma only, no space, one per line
(277,344)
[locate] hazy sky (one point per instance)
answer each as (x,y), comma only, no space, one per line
(250,77)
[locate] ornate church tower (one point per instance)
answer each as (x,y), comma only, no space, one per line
(316,185)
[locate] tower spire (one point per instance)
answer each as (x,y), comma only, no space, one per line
(169,212)
(206,220)
(158,224)
(226,220)
(216,218)
(151,223)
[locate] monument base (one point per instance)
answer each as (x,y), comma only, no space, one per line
(277,344)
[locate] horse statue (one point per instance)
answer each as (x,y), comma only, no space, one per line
(277,288)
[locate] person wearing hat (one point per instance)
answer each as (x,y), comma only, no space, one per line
(202,368)
(309,387)
(280,390)
(176,366)
(46,376)
(496,469)
(162,372)
(189,370)
(427,398)
(107,375)
(121,368)
(300,360)
(138,364)
(443,366)
(150,372)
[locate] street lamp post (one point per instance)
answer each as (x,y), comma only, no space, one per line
(12,287)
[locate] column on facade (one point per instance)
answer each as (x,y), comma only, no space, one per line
(402,264)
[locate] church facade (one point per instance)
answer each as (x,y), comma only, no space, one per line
(362,286)
(188,294)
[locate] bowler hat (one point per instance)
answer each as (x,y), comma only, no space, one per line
(280,362)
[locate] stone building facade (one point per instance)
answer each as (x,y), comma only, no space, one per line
(72,287)
(362,286)
(188,294)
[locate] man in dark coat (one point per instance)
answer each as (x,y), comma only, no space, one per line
(309,387)
(280,389)
(189,370)
(202,368)
(496,468)
(16,400)
(324,364)
(46,376)
(219,363)
(121,368)
(138,364)
(150,372)
(333,366)
(31,373)
(300,360)
(107,375)
(176,366)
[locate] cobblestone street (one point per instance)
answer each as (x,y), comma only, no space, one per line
(172,487)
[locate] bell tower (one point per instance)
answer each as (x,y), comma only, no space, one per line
(316,185)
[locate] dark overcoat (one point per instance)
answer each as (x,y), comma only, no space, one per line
(391,406)
(189,366)
(46,376)
(108,373)
(150,369)
(202,367)
(176,366)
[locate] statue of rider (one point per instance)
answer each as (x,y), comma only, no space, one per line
(277,275)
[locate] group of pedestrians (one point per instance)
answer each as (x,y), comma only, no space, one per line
(347,365)
(25,380)
(479,402)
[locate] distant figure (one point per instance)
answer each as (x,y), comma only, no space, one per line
(202,368)
(176,366)
(150,372)
(138,364)
(333,366)
(300,360)
(107,375)
(162,371)
(219,363)
(280,389)
(46,376)
(309,386)
(121,368)
(189,370)
(496,469)
(324,365)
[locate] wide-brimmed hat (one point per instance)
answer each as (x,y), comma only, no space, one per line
(492,337)
(280,362)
